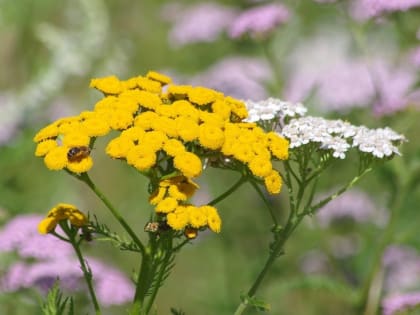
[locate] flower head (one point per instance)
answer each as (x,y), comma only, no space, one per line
(62,212)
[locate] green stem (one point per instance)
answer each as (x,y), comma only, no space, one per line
(229,191)
(86,179)
(369,300)
(86,271)
(143,277)
(164,263)
(266,202)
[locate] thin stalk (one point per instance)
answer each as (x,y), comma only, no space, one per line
(266,202)
(143,277)
(86,179)
(159,280)
(86,273)
(229,191)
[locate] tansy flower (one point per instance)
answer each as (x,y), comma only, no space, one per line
(107,85)
(156,76)
(189,164)
(197,217)
(148,100)
(148,85)
(135,134)
(166,125)
(238,108)
(202,96)
(173,147)
(56,158)
(178,219)
(186,128)
(95,127)
(61,212)
(157,196)
(260,166)
(48,132)
(76,139)
(44,147)
(80,166)
(167,205)
(141,157)
(211,136)
(242,152)
(119,119)
(107,103)
(273,182)
(190,233)
(221,108)
(213,219)
(146,120)
(186,109)
(117,148)
(179,91)
(153,140)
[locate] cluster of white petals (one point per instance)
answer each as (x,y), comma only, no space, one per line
(379,142)
(273,108)
(339,136)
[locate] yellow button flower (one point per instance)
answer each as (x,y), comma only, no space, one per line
(159,77)
(107,85)
(273,182)
(189,164)
(61,212)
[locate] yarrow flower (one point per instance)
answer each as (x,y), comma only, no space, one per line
(259,21)
(273,111)
(339,136)
(165,134)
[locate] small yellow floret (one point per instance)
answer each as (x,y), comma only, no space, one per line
(157,196)
(80,166)
(48,132)
(159,77)
(76,139)
(187,129)
(178,219)
(213,219)
(141,157)
(117,148)
(44,147)
(148,85)
(56,159)
(60,212)
(211,136)
(260,166)
(167,205)
(197,217)
(203,96)
(107,85)
(273,182)
(188,164)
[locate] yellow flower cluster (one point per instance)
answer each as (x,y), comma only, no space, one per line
(169,200)
(165,129)
(60,212)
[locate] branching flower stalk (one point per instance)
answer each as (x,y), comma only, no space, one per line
(315,142)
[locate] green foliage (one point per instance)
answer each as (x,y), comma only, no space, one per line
(55,304)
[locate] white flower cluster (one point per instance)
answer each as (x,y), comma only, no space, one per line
(339,136)
(273,108)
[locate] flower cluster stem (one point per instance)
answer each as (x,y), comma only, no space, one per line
(86,179)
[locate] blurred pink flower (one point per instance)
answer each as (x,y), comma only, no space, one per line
(44,259)
(352,205)
(203,22)
(394,304)
(259,21)
(240,77)
(402,274)
(365,9)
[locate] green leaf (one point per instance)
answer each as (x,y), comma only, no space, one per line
(55,304)
(256,303)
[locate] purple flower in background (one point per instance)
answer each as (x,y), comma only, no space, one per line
(355,205)
(402,267)
(240,77)
(259,20)
(21,235)
(415,57)
(391,305)
(46,258)
(365,9)
(111,286)
(338,82)
(393,87)
(203,22)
